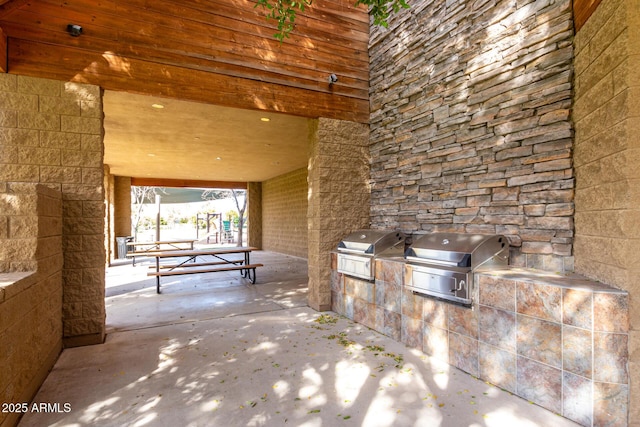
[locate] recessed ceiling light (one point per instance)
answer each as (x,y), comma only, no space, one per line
(218,158)
(151,155)
(158,106)
(265,119)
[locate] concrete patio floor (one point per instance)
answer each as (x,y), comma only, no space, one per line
(214,350)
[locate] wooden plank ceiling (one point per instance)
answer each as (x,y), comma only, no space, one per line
(216,51)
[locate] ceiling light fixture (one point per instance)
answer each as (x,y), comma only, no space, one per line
(74,30)
(265,119)
(158,106)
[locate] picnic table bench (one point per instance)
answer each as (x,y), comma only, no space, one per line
(147,248)
(189,263)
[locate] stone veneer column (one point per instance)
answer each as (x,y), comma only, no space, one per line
(254,214)
(339,196)
(51,133)
(607,159)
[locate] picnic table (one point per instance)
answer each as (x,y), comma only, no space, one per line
(188,262)
(148,248)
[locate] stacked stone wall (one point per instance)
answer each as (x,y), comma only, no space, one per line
(30,290)
(470,124)
(284,214)
(51,133)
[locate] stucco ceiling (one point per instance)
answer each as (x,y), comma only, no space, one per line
(188,140)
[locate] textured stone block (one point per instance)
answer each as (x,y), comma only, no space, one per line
(18,102)
(19,173)
(88,125)
(19,137)
(39,121)
(53,105)
(60,140)
(38,156)
(37,86)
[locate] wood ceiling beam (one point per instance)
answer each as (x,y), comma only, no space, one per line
(113,72)
(582,11)
(188,183)
(8,6)
(4,58)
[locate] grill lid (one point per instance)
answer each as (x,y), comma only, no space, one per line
(457,249)
(370,242)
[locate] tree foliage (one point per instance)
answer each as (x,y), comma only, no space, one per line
(139,196)
(380,10)
(284,12)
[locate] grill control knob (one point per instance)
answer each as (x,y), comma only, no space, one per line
(445,241)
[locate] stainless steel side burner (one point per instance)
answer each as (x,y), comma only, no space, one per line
(358,250)
(443,264)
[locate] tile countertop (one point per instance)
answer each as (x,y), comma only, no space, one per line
(570,281)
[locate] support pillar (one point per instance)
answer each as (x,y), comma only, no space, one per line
(339,196)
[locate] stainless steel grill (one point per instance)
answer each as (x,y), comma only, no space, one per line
(442,264)
(358,250)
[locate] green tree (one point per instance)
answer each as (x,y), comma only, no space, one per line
(284,12)
(139,196)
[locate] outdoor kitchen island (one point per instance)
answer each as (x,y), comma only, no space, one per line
(558,341)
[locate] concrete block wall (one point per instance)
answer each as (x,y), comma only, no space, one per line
(30,290)
(338,194)
(470,123)
(51,133)
(284,214)
(607,160)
